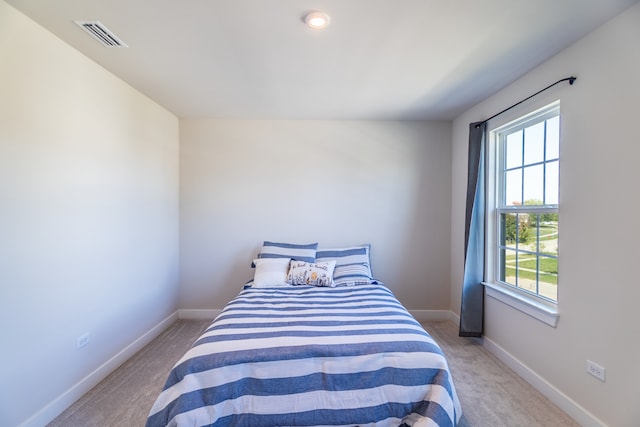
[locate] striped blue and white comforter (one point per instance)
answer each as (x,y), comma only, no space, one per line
(311,356)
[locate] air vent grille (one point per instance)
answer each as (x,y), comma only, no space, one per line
(101,33)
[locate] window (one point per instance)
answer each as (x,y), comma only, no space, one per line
(524,210)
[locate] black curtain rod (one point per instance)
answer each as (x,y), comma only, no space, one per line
(569,79)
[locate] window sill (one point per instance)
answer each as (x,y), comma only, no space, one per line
(536,309)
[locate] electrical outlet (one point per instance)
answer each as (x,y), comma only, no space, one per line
(82,340)
(596,370)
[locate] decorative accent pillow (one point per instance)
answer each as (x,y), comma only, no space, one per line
(293,251)
(271,272)
(315,274)
(353,265)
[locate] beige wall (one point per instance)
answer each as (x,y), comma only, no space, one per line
(88,216)
(599,204)
(89,213)
(335,182)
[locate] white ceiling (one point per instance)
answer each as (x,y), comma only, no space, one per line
(378,59)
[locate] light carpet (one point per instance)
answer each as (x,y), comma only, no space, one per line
(490,392)
(492,395)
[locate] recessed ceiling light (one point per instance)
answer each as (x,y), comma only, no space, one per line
(317,20)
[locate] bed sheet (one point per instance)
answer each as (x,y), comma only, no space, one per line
(311,356)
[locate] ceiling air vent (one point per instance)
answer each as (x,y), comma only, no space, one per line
(101,33)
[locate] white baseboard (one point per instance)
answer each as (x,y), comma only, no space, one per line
(455,318)
(564,402)
(575,411)
(66,399)
(195,314)
(430,315)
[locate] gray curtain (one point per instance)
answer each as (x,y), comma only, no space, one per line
(472,307)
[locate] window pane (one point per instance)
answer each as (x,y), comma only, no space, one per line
(533,234)
(509,271)
(548,230)
(533,185)
(526,232)
(548,286)
(553,138)
(513,188)
(509,230)
(551,184)
(533,231)
(526,271)
(534,144)
(513,150)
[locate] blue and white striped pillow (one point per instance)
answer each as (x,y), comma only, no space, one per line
(306,253)
(353,264)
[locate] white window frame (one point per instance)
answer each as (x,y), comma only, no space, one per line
(538,307)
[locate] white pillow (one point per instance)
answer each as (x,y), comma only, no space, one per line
(314,274)
(270,272)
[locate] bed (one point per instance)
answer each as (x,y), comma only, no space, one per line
(307,355)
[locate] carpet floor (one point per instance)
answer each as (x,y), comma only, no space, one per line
(492,395)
